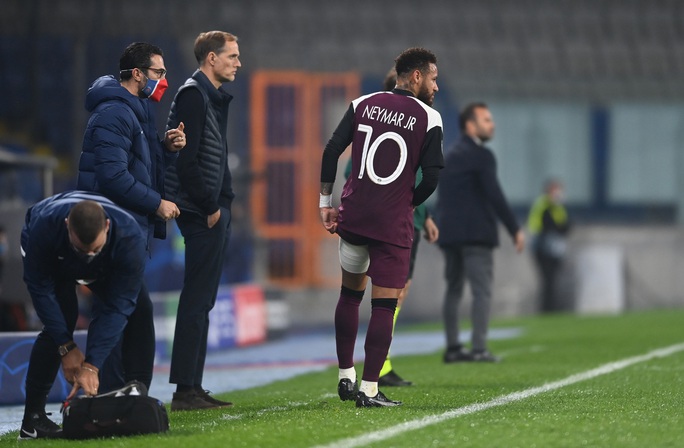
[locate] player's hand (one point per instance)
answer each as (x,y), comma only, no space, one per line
(213,218)
(519,241)
(167,210)
(71,364)
(329,218)
(174,139)
(431,230)
(87,379)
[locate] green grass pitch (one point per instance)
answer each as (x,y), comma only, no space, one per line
(567,381)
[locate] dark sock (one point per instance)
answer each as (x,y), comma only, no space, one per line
(378,337)
(182,388)
(347,325)
(35,404)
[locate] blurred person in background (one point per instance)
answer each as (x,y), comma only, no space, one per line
(124,159)
(201,184)
(4,254)
(470,203)
(12,315)
(70,239)
(393,134)
(549,225)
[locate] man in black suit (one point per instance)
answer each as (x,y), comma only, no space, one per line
(470,201)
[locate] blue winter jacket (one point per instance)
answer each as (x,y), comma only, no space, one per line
(122,157)
(51,264)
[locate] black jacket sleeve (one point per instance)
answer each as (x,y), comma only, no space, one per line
(494,193)
(431,162)
(339,141)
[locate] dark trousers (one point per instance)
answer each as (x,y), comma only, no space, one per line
(549,268)
(475,264)
(44,362)
(133,357)
(205,251)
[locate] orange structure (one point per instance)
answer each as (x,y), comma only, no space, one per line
(292,116)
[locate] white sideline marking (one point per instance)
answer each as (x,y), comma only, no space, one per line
(412,425)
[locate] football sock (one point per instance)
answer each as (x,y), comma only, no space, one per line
(347,325)
(349,373)
(182,388)
(378,337)
(387,366)
(370,388)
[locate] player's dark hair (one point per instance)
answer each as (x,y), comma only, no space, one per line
(390,80)
(87,219)
(136,55)
(211,41)
(414,59)
(468,113)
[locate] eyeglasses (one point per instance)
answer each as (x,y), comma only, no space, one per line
(161,72)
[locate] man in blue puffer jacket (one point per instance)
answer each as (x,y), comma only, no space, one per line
(124,160)
(122,156)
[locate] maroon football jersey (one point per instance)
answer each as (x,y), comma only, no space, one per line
(390,138)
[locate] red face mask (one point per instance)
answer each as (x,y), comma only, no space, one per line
(154,89)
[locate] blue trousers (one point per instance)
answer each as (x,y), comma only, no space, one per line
(133,357)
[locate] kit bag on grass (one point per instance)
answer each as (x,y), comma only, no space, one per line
(123,412)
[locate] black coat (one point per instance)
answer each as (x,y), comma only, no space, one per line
(470,198)
(201,181)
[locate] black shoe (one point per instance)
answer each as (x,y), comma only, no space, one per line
(347,390)
(393,380)
(39,426)
(457,354)
(484,356)
(190,401)
(204,395)
(378,401)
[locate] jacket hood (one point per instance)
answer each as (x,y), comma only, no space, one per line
(107,88)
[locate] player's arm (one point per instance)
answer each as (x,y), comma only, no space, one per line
(431,162)
(339,141)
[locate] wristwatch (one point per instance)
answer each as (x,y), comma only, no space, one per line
(66,348)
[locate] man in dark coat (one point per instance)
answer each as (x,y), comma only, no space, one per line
(470,201)
(200,183)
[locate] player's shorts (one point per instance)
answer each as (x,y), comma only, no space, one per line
(386,264)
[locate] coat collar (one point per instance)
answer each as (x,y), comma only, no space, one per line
(215,95)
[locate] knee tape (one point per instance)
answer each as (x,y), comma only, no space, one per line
(354,259)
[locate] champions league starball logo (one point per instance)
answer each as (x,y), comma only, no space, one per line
(14,360)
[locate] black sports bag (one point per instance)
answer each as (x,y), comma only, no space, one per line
(123,412)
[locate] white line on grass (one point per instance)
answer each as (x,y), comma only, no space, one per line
(413,425)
